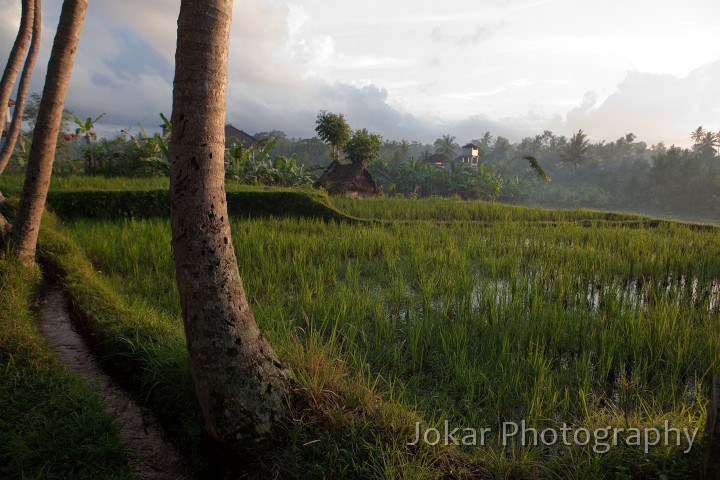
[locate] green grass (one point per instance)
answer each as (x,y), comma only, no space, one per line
(473,313)
(89,197)
(453,209)
(53,426)
(11,184)
(142,341)
(477,324)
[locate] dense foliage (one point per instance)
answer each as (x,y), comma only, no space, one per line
(625,174)
(334,130)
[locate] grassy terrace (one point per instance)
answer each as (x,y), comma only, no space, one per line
(476,314)
(53,426)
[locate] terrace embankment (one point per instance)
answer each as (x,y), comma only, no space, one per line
(150,453)
(252,203)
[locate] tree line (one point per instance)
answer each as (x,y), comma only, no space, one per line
(624,174)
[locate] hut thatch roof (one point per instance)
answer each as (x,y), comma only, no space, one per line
(438,159)
(353,179)
(235,136)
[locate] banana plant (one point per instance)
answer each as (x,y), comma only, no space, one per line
(289,173)
(246,163)
(155,148)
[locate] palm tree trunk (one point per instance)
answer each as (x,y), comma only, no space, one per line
(50,111)
(241,386)
(16,55)
(16,125)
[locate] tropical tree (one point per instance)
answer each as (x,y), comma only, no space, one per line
(500,151)
(364,147)
(698,134)
(447,146)
(333,129)
(576,152)
(706,143)
(42,152)
(485,143)
(241,386)
(15,127)
(17,53)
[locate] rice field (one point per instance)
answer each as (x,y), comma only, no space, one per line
(527,316)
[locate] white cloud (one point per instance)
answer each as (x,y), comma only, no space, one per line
(655,107)
(415,70)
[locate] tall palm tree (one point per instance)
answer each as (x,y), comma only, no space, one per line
(485,142)
(241,386)
(706,143)
(16,124)
(50,113)
(447,146)
(17,53)
(576,152)
(501,150)
(698,134)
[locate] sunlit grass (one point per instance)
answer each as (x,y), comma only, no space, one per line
(589,324)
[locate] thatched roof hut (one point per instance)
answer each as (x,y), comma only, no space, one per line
(353,180)
(438,160)
(235,136)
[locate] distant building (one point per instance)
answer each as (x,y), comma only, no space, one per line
(470,155)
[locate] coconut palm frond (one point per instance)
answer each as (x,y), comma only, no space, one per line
(535,165)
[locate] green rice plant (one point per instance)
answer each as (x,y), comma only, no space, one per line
(527,314)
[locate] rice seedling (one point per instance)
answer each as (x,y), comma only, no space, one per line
(530,315)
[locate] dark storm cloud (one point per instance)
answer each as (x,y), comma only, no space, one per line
(364,107)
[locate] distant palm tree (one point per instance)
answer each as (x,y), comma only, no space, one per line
(706,142)
(485,142)
(502,148)
(698,134)
(576,152)
(447,146)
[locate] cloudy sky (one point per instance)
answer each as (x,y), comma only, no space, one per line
(416,69)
